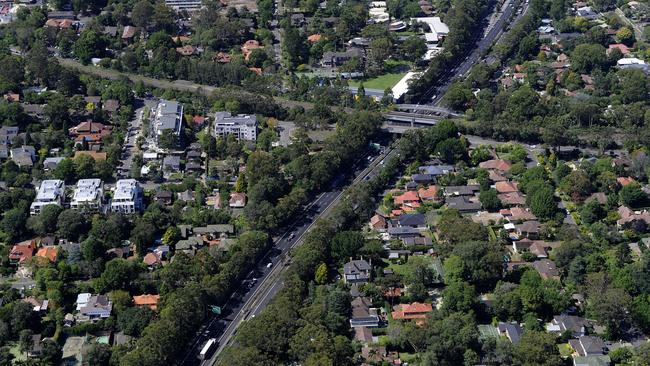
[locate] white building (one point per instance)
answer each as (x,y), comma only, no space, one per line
(127,197)
(244,126)
(437,30)
(50,192)
(189,5)
(168,115)
(88,195)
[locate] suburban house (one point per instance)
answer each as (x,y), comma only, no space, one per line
(577,325)
(588,346)
(242,126)
(127,197)
(88,195)
(237,200)
(22,251)
(50,192)
(357,271)
(496,164)
(171,163)
(512,331)
(363,314)
(93,307)
(628,217)
(546,269)
(416,221)
(150,301)
(49,253)
(463,204)
(23,156)
(415,310)
(378,223)
(431,193)
(468,190)
(528,229)
(334,59)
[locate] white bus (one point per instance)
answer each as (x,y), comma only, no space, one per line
(206,351)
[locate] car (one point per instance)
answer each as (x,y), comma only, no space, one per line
(269,265)
(291,236)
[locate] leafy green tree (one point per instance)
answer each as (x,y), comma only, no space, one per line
(25,340)
(489,199)
(98,354)
(45,222)
(321,274)
(134,320)
(537,348)
(413,48)
(458,97)
(587,57)
(90,44)
(459,297)
(631,195)
(542,202)
(591,212)
(71,224)
(142,13)
(346,244)
(625,35)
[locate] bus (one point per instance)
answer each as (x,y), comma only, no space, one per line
(208,348)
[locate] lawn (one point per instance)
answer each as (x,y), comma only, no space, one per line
(380,82)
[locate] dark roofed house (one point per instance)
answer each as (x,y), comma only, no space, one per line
(111,105)
(546,269)
(363,314)
(357,271)
(510,330)
(418,221)
(468,190)
(402,232)
(588,346)
(331,59)
(463,204)
(529,229)
(577,325)
(164,197)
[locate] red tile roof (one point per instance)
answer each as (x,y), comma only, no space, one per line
(496,164)
(48,252)
(414,310)
(407,197)
(147,300)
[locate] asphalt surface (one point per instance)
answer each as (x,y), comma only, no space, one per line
(265,281)
(483,44)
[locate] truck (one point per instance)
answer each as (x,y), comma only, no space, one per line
(208,349)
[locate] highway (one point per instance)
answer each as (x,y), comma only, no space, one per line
(264,282)
(465,66)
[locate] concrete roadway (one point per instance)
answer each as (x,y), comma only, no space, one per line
(465,66)
(263,283)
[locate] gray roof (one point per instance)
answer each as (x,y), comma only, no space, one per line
(403,231)
(513,331)
(172,161)
(467,190)
(462,204)
(413,220)
(436,169)
(356,267)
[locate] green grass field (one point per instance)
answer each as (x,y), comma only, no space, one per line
(380,82)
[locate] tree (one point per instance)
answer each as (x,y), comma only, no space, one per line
(537,349)
(631,195)
(321,274)
(346,244)
(71,224)
(489,200)
(459,297)
(46,221)
(577,185)
(625,35)
(90,44)
(141,14)
(171,235)
(542,202)
(134,320)
(413,48)
(587,57)
(25,340)
(118,274)
(458,97)
(591,212)
(98,354)
(51,353)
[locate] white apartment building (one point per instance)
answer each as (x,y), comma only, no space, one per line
(88,195)
(189,5)
(244,126)
(50,192)
(168,115)
(127,197)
